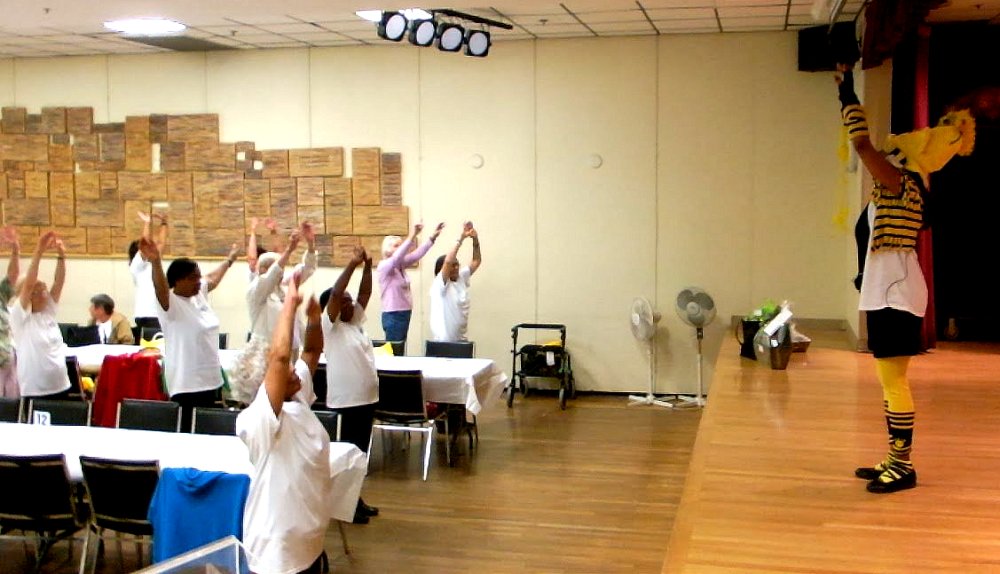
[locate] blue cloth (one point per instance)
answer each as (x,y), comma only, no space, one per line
(191,508)
(396,324)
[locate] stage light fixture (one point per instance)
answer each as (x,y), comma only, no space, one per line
(392,26)
(450,37)
(477,43)
(422,32)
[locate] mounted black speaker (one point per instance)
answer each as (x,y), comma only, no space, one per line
(820,47)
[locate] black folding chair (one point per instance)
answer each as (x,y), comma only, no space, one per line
(214,421)
(331,422)
(120,492)
(450,350)
(398,347)
(10,410)
(223,340)
(61,413)
(401,408)
(38,500)
(141,414)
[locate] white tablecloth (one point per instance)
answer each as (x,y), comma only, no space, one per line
(471,382)
(174,450)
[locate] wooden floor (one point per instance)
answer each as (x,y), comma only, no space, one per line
(771,485)
(591,489)
(769,488)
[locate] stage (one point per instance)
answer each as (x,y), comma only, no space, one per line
(771,488)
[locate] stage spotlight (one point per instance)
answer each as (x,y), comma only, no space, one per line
(450,37)
(392,26)
(422,32)
(477,43)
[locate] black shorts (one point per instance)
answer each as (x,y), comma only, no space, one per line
(894,333)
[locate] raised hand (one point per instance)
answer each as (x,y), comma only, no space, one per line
(254,222)
(468,230)
(417,228)
(359,255)
(149,249)
(9,235)
(45,241)
(308,232)
(313,310)
(271,225)
(234,250)
(293,288)
(143,216)
(293,240)
(60,247)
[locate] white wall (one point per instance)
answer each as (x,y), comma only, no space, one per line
(719,170)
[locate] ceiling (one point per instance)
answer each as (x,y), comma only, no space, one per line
(44,28)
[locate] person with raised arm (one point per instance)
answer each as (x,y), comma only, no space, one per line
(191,365)
(449,314)
(394,284)
(8,359)
(41,365)
(145,296)
(351,378)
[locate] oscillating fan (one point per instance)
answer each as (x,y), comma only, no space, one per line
(643,320)
(696,308)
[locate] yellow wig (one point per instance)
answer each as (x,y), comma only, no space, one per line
(928,149)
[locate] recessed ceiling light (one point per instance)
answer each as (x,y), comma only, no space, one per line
(145,26)
(411,14)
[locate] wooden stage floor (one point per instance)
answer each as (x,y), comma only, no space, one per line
(771,488)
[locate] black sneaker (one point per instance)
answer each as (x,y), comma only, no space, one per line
(366,510)
(892,480)
(360,518)
(869,472)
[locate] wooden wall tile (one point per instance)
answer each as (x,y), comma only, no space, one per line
(366,190)
(244,150)
(73,238)
(130,217)
(217,242)
(14,120)
(120,241)
(85,148)
(172,156)
(327,161)
(26,212)
(87,185)
(80,121)
(392,189)
(209,156)
(179,187)
(283,209)
(60,139)
(54,120)
(28,234)
(15,187)
(373,245)
(181,240)
(60,158)
(112,147)
(324,253)
(257,198)
(99,212)
(110,128)
(142,186)
(138,151)
(366,161)
(338,205)
(33,124)
(310,190)
(158,128)
(218,199)
(3,185)
(381,220)
(61,199)
(392,162)
(314,215)
(109,185)
(193,128)
(343,249)
(98,240)
(36,184)
(24,147)
(275,163)
(137,125)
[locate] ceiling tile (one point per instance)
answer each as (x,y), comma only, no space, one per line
(340,42)
(682,25)
(261,19)
(752,11)
(767,23)
(259,37)
(527,20)
(612,16)
(316,37)
(227,30)
(649,31)
(356,25)
(295,28)
(282,45)
(621,27)
(681,13)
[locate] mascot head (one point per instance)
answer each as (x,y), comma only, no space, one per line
(928,149)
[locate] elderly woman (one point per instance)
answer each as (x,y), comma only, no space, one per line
(142,278)
(8,369)
(397,301)
(41,368)
(265,297)
(190,328)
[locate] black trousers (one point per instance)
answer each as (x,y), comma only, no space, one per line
(356,425)
(188,401)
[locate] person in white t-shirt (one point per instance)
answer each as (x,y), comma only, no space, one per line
(265,302)
(190,329)
(351,378)
(449,315)
(142,273)
(41,361)
(8,360)
(285,519)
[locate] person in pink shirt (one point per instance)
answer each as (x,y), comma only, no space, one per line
(397,301)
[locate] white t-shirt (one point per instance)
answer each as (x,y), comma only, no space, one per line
(264,302)
(892,278)
(287,510)
(191,343)
(41,359)
(450,307)
(351,378)
(104,331)
(145,294)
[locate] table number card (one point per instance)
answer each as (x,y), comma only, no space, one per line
(41,418)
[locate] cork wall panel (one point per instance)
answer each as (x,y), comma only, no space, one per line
(59,170)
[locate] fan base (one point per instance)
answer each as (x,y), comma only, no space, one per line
(690,402)
(647,400)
